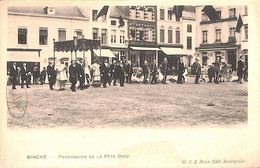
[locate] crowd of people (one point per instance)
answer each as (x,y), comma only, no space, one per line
(122,72)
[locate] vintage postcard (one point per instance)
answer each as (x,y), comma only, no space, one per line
(129,84)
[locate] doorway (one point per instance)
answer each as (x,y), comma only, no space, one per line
(232,58)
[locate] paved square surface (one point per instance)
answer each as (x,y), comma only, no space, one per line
(136,105)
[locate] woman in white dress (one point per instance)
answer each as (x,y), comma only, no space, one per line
(61,76)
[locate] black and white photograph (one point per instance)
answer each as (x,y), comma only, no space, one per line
(134,66)
(127,66)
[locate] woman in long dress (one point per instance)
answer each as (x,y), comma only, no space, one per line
(61,76)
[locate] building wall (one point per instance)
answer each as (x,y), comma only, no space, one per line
(33,23)
(167,24)
(225,24)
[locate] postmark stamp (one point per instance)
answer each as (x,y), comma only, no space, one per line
(17,102)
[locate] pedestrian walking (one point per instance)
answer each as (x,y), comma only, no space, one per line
(121,73)
(81,75)
(180,70)
(51,75)
(73,72)
(164,70)
(211,72)
(113,73)
(217,70)
(13,75)
(104,69)
(153,69)
(197,68)
(25,76)
(240,69)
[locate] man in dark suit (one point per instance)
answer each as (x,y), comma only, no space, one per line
(104,73)
(81,76)
(240,69)
(164,70)
(217,70)
(13,75)
(25,75)
(113,73)
(121,73)
(145,71)
(180,69)
(73,71)
(153,69)
(197,68)
(51,75)
(211,72)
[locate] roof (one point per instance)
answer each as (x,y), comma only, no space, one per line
(118,11)
(71,11)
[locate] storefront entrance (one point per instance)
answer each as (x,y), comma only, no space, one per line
(232,58)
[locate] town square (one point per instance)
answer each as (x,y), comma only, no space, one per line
(127,66)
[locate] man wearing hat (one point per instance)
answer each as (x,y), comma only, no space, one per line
(197,68)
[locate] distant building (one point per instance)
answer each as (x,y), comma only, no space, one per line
(31,30)
(218,38)
(142,34)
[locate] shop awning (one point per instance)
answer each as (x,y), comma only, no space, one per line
(173,51)
(146,48)
(23,56)
(104,53)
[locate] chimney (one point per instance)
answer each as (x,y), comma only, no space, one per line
(49,10)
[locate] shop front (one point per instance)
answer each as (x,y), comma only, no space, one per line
(140,54)
(173,55)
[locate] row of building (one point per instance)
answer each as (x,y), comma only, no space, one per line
(135,33)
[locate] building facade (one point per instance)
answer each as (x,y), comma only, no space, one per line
(219,38)
(32,31)
(142,43)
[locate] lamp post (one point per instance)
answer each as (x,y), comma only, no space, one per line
(84,64)
(54,51)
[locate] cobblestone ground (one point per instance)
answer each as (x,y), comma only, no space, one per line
(136,105)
